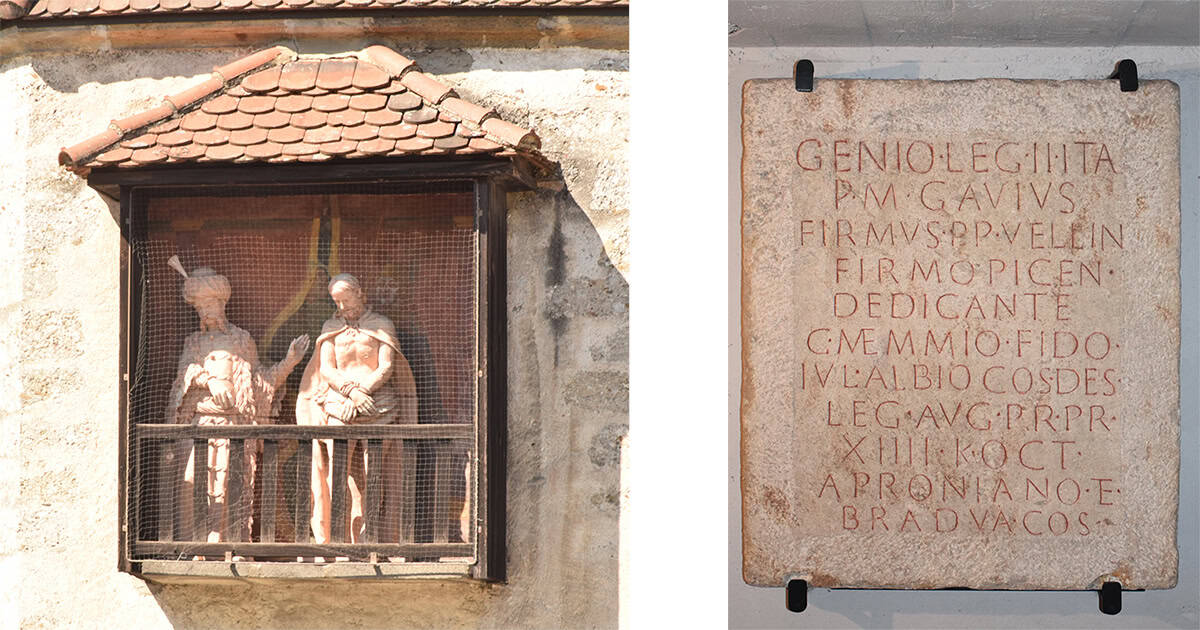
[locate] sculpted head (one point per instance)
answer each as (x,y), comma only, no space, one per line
(349,296)
(207,291)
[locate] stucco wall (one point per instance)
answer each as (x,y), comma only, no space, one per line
(568,357)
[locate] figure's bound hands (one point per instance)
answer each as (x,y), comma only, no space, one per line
(297,349)
(363,402)
(222,392)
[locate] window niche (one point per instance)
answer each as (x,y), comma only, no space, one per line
(420,496)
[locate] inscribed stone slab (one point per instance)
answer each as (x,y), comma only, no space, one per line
(960,333)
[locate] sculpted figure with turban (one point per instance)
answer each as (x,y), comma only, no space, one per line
(219,382)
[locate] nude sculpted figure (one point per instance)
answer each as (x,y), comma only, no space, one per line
(219,382)
(357,375)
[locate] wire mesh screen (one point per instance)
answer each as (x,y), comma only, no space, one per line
(308,391)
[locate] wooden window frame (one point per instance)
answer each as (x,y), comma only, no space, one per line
(491,178)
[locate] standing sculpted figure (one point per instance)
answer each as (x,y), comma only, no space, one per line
(357,375)
(219,382)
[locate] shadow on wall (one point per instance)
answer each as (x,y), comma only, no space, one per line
(568,410)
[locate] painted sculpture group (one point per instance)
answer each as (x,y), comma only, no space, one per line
(357,374)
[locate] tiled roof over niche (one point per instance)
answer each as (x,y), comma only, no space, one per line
(42,9)
(275,106)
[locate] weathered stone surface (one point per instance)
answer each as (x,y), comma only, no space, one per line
(960,334)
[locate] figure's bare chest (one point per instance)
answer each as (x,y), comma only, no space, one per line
(354,346)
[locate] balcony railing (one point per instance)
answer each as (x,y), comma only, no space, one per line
(165,452)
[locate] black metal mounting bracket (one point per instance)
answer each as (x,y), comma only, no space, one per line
(1126,73)
(803,73)
(797,595)
(1110,597)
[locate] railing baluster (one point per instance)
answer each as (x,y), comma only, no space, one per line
(233,493)
(169,482)
(200,489)
(408,489)
(340,460)
(266,533)
(304,455)
(443,485)
(374,490)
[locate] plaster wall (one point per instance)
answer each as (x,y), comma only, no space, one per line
(751,607)
(568,357)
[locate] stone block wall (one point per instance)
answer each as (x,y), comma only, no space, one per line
(568,357)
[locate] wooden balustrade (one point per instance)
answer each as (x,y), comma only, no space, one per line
(163,447)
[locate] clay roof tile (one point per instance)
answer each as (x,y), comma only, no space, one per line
(374,102)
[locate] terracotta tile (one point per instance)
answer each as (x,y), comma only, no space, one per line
(299,75)
(418,116)
(404,101)
(205,4)
(224,151)
(237,91)
(149,156)
(299,148)
(331,102)
(83,7)
(360,3)
(294,103)
(410,145)
(168,125)
(256,104)
(272,120)
(426,86)
(235,4)
(141,142)
(466,132)
(376,146)
(175,138)
(326,3)
(222,104)
(58,7)
(354,155)
(285,135)
(351,91)
(309,119)
(277,92)
(251,63)
(450,143)
(446,116)
(360,132)
(315,157)
(244,137)
(114,6)
(315,91)
(368,76)
(39,8)
(395,87)
(335,74)
(144,118)
(174,5)
(437,129)
(346,117)
(296,3)
(142,5)
(266,4)
(511,134)
(185,99)
(118,154)
(197,121)
(211,137)
(235,120)
(483,144)
(340,147)
(264,151)
(187,151)
(398,132)
(322,135)
(383,117)
(262,81)
(368,102)
(284,158)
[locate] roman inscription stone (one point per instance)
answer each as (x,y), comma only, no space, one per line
(960,334)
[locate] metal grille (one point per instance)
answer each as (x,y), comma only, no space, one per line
(291,466)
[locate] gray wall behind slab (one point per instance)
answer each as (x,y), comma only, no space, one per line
(751,607)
